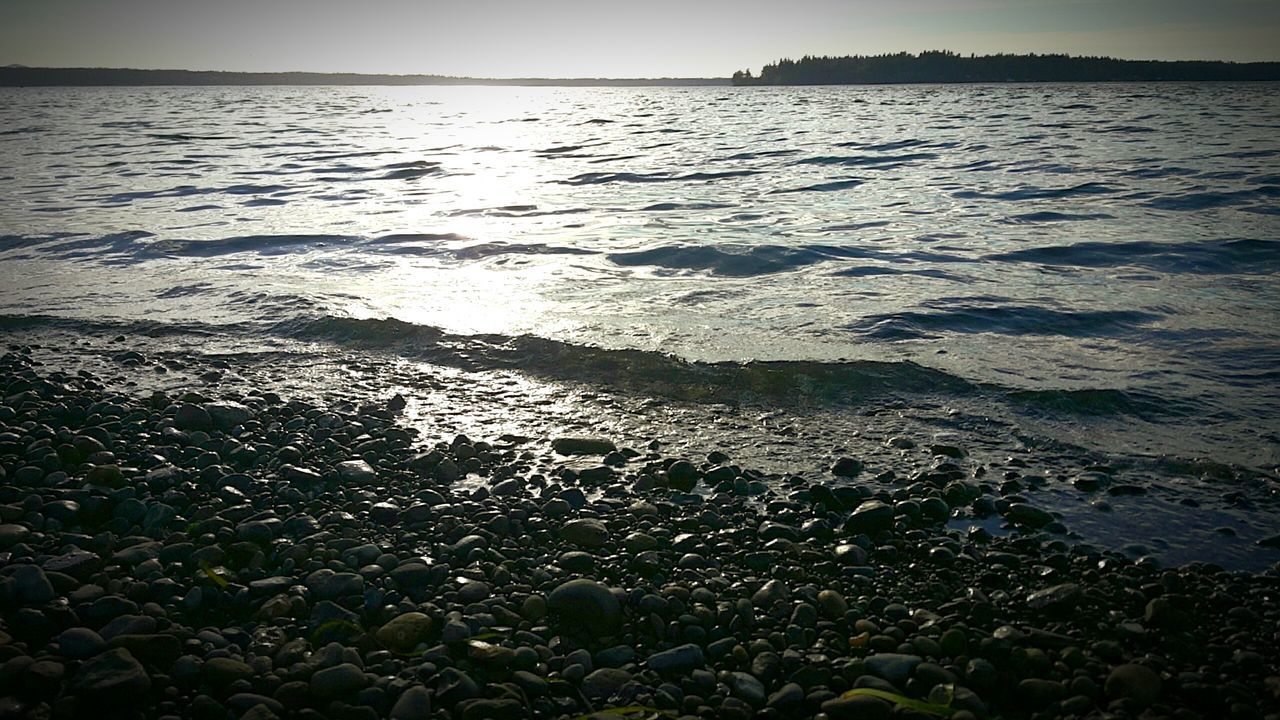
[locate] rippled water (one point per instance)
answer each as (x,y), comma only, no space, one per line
(1103,258)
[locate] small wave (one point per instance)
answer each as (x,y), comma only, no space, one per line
(780,383)
(1002,320)
(259,244)
(755,155)
(604,178)
(1106,402)
(637,370)
(1192,201)
(822,187)
(1039,193)
(410,170)
(737,260)
(1244,256)
(666,206)
(866,160)
(1048,216)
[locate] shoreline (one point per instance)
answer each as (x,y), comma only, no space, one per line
(223,547)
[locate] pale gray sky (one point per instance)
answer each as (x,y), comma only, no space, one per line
(574,38)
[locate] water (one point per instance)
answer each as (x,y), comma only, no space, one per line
(1099,260)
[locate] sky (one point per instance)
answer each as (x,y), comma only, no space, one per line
(604,38)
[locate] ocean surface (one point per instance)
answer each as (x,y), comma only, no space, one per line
(1099,261)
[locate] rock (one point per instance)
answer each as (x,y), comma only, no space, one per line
(414,704)
(220,672)
(404,632)
(894,667)
(192,417)
(226,415)
(11,534)
(746,688)
(872,516)
(1057,598)
(110,678)
(1028,516)
(846,467)
(496,709)
(356,472)
(582,446)
(338,681)
(682,475)
(770,593)
(832,604)
(1138,683)
(43,678)
(447,471)
(588,604)
(604,683)
(325,584)
(850,554)
(31,585)
(77,563)
(1036,693)
(156,649)
(79,643)
(786,698)
(678,660)
(858,707)
(586,532)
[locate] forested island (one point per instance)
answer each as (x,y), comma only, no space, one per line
(21,76)
(942,66)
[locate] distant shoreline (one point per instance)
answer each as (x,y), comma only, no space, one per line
(945,67)
(124,77)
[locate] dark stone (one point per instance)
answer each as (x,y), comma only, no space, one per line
(582,446)
(588,604)
(112,677)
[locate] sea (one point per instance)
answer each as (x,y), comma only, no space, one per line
(1097,263)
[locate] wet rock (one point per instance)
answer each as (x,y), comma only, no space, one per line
(112,677)
(770,593)
(404,632)
(894,667)
(1028,516)
(31,585)
(681,659)
(587,532)
(192,417)
(832,604)
(846,467)
(1057,598)
(872,516)
(682,475)
(1138,683)
(356,472)
(413,704)
(604,683)
(582,446)
(221,672)
(859,707)
(338,681)
(586,603)
(11,534)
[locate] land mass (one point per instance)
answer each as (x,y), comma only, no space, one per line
(21,76)
(948,67)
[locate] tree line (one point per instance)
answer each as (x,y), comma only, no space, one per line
(942,66)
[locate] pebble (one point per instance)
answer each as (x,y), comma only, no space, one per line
(1131,681)
(587,603)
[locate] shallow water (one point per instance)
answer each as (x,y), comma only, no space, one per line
(1100,260)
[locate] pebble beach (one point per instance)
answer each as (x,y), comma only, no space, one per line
(224,550)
